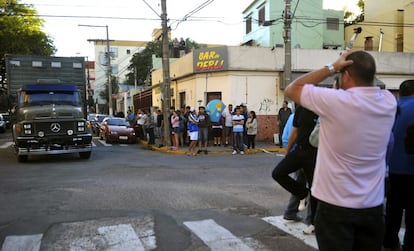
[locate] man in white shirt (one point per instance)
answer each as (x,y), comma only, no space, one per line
(349,178)
(228,123)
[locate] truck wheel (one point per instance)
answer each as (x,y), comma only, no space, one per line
(22,158)
(85,155)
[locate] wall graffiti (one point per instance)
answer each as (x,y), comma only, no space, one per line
(265,105)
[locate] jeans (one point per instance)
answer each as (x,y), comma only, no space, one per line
(293,204)
(348,229)
(151,139)
(399,198)
(238,141)
(251,141)
(296,160)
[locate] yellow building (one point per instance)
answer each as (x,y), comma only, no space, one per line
(388,26)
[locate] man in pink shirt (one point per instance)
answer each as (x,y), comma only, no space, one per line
(349,178)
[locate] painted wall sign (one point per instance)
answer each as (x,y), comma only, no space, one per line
(210,59)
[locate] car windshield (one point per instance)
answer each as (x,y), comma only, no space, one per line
(117,122)
(100,118)
(49,97)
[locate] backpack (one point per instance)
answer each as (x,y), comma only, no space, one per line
(409,139)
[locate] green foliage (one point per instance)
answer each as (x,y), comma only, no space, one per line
(350,17)
(115,87)
(20,32)
(141,62)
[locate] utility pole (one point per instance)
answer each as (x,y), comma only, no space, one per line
(166,91)
(288,42)
(109,71)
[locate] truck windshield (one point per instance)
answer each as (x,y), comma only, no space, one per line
(30,98)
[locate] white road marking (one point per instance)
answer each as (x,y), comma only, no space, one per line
(215,236)
(293,228)
(121,237)
(23,242)
(104,143)
(6,145)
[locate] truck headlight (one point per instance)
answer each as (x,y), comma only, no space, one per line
(81,123)
(27,131)
(27,126)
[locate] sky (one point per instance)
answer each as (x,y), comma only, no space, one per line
(219,22)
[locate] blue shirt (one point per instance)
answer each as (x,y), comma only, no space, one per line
(287,130)
(192,123)
(400,161)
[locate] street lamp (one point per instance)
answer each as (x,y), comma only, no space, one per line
(108,66)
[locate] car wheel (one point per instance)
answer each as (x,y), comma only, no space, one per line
(85,155)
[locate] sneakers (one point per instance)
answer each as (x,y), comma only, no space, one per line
(303,204)
(234,152)
(294,218)
(241,152)
(309,230)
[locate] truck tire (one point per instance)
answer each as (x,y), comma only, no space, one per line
(85,155)
(22,158)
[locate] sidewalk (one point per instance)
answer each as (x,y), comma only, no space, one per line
(260,147)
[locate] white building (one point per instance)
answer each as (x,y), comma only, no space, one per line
(121,54)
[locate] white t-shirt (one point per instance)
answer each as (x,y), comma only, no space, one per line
(355,126)
(238,128)
(229,118)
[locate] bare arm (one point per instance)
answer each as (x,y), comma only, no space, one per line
(294,89)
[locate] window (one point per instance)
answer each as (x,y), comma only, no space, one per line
(115,69)
(262,12)
(182,99)
(332,23)
(248,24)
(128,51)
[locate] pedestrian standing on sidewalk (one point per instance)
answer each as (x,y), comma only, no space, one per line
(217,128)
(349,178)
(160,127)
(228,124)
(251,126)
(203,126)
(193,132)
(401,176)
(283,116)
(238,122)
(175,124)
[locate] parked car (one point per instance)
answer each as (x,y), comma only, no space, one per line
(96,122)
(6,119)
(115,129)
(2,124)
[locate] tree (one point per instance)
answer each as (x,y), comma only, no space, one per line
(115,87)
(141,62)
(350,17)
(21,33)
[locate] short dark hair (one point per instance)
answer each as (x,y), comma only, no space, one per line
(406,88)
(363,68)
(201,107)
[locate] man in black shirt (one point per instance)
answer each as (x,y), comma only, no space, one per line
(304,156)
(283,116)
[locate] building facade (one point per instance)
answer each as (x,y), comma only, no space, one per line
(252,76)
(312,26)
(388,26)
(121,53)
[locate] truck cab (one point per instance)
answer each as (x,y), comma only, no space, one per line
(49,119)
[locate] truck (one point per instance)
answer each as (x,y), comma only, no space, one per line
(48,108)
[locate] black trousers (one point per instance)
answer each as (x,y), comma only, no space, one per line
(349,229)
(298,159)
(251,141)
(151,135)
(400,198)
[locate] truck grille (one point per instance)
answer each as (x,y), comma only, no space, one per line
(55,128)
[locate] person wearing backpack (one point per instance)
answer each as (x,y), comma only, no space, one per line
(401,175)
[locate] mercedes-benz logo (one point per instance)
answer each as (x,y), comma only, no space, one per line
(55,127)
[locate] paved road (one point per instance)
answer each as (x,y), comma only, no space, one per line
(129,198)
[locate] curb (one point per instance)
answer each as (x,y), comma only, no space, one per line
(165,149)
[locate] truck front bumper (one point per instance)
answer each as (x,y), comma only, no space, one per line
(53,145)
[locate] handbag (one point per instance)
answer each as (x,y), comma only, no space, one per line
(314,136)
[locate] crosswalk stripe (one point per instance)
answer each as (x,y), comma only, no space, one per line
(215,236)
(293,228)
(24,242)
(121,237)
(6,145)
(104,143)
